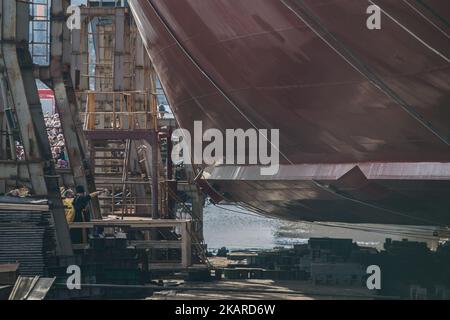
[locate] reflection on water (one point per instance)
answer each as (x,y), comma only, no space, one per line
(226,226)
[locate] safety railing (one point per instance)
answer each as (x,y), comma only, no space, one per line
(115,110)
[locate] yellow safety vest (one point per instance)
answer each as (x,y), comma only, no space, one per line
(68,210)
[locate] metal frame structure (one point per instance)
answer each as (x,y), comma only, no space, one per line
(25,124)
(184,243)
(120,141)
(115,87)
(120,104)
(66,101)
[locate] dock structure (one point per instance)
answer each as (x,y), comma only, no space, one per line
(105,94)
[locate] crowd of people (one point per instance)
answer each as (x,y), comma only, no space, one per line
(56,139)
(19,151)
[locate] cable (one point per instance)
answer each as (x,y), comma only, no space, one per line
(434,13)
(412,33)
(366,228)
(236,211)
(378,230)
(374,206)
(373,78)
(362,68)
(426,18)
(210,79)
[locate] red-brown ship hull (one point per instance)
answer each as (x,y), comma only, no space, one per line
(364,115)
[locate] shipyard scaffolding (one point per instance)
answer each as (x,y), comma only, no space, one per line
(113,78)
(129,137)
(106,96)
(26,158)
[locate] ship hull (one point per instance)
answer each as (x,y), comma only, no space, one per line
(363,114)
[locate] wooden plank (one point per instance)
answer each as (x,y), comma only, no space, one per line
(154,244)
(165,266)
(24,207)
(80,246)
(148,223)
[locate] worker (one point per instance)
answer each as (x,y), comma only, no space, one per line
(79,204)
(161,110)
(67,197)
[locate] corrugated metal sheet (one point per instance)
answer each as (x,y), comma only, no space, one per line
(27,238)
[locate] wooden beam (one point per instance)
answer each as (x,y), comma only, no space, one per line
(149,223)
(155,244)
(24,207)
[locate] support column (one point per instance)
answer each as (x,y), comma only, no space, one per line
(197,212)
(119,50)
(79,60)
(155,175)
(186,246)
(66,103)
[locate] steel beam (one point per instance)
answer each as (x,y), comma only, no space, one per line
(119,51)
(105,134)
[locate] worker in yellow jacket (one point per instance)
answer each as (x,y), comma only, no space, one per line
(67,198)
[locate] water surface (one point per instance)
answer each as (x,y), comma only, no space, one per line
(235,228)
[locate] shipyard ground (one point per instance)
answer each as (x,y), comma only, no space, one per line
(260,289)
(256,289)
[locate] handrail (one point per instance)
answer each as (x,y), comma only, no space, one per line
(130,110)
